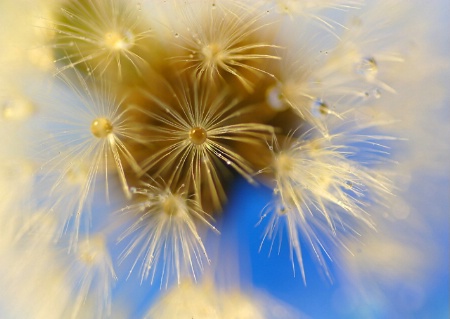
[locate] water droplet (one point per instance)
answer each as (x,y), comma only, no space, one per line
(101,127)
(176,35)
(228,162)
(282,210)
(366,95)
(367,67)
(376,93)
(348,184)
(198,135)
(319,108)
(276,99)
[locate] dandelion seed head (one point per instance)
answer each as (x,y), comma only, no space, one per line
(213,54)
(89,141)
(211,300)
(173,205)
(299,88)
(189,300)
(167,232)
(284,164)
(178,98)
(227,43)
(320,192)
(109,35)
(367,67)
(198,128)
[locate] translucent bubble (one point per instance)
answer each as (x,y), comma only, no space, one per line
(282,210)
(275,98)
(372,94)
(319,108)
(366,95)
(376,93)
(367,67)
(101,127)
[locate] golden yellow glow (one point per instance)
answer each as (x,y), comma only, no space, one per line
(101,127)
(117,41)
(198,135)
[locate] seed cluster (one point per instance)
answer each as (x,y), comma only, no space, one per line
(218,93)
